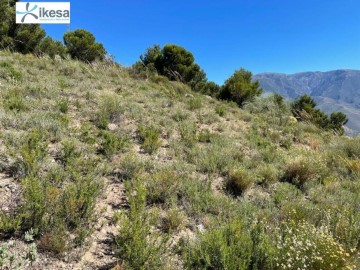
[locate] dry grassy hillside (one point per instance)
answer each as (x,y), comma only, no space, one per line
(100,169)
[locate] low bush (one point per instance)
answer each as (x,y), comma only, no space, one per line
(8,72)
(219,156)
(51,47)
(149,138)
(206,136)
(136,245)
(161,186)
(180,116)
(69,151)
(238,181)
(52,212)
(301,245)
(220,110)
(351,147)
(195,103)
(110,111)
(32,151)
(55,241)
(130,167)
(111,143)
(173,220)
(268,174)
(231,246)
(63,105)
(14,101)
(188,131)
(304,171)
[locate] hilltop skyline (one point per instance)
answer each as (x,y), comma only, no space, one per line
(260,36)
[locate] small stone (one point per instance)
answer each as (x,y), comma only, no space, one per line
(112,127)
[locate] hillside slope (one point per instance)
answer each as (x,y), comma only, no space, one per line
(103,169)
(333,90)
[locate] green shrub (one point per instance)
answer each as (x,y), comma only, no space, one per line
(173,220)
(8,72)
(216,157)
(88,134)
(268,174)
(32,151)
(102,119)
(149,138)
(351,147)
(188,131)
(78,200)
(14,101)
(231,246)
(195,103)
(110,110)
(69,151)
(112,143)
(27,37)
(180,116)
(162,186)
(304,171)
(136,245)
(35,206)
(206,136)
(130,167)
(9,224)
(63,84)
(56,174)
(141,71)
(53,212)
(63,105)
(220,110)
(238,181)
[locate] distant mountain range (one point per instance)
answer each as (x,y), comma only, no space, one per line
(337,90)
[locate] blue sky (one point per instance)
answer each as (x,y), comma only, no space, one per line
(259,35)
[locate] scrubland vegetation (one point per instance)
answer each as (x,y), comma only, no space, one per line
(208,184)
(172,170)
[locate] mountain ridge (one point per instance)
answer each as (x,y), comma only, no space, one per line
(340,88)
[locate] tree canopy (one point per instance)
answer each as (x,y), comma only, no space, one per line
(81,45)
(240,88)
(23,38)
(176,63)
(303,108)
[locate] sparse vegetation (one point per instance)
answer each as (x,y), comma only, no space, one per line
(175,180)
